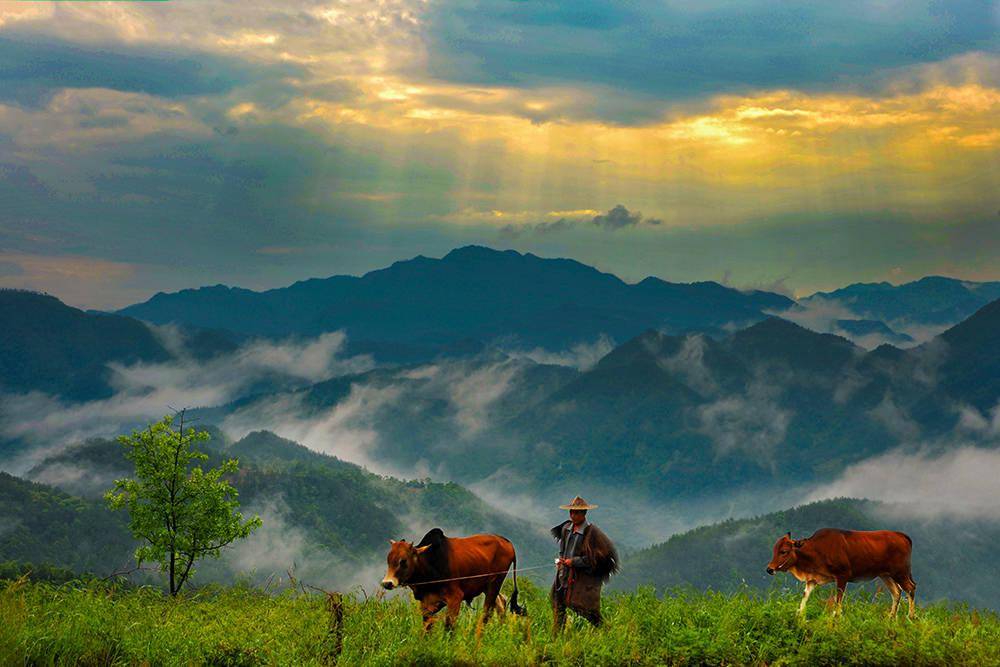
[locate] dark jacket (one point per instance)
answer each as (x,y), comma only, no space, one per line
(594,561)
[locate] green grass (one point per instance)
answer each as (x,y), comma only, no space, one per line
(90,624)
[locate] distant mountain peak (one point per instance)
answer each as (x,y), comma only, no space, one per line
(776,340)
(774,324)
(985,322)
(479,251)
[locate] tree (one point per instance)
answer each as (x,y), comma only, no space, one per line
(181,513)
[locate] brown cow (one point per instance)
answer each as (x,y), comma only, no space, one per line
(833,555)
(443,571)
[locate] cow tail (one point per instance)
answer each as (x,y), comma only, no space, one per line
(512,604)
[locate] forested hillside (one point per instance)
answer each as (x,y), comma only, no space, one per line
(327,518)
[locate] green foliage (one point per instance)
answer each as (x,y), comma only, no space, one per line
(13,569)
(181,512)
(100,625)
(41,525)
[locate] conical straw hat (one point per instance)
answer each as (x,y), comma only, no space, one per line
(578,503)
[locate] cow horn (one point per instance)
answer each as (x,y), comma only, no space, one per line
(788,534)
(391,543)
(422,549)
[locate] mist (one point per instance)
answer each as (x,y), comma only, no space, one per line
(961,483)
(145,392)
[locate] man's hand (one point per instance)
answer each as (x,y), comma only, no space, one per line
(568,562)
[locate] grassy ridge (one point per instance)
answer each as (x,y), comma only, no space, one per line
(95,625)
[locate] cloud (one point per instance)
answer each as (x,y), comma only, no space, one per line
(672,51)
(582,356)
(281,546)
(78,480)
(147,391)
(348,430)
(895,420)
(836,316)
(752,422)
(367,424)
(818,313)
(971,421)
(613,220)
(33,70)
(689,363)
(620,217)
(474,393)
(960,482)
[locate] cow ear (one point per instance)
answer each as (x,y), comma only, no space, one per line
(422,549)
(788,534)
(391,543)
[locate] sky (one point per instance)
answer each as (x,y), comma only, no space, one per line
(148,146)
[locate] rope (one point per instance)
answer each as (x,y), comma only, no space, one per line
(473,576)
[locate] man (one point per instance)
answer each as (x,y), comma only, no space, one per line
(587,559)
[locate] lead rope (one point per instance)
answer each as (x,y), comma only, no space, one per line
(473,576)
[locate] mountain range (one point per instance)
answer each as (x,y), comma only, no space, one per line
(514,382)
(765,411)
(417,308)
(931,300)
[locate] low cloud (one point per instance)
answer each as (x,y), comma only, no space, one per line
(961,482)
(817,313)
(752,422)
(462,394)
(78,480)
(347,430)
(148,391)
(279,547)
(474,393)
(827,315)
(894,419)
(972,421)
(582,356)
(689,363)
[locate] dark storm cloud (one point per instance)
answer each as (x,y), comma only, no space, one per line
(682,51)
(32,68)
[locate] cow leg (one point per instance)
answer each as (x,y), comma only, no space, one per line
(454,602)
(501,605)
(492,592)
(841,588)
(910,587)
(428,607)
(894,591)
(593,616)
(810,585)
(490,602)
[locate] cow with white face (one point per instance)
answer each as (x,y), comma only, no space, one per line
(445,571)
(831,555)
(401,563)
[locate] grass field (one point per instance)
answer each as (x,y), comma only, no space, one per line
(91,624)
